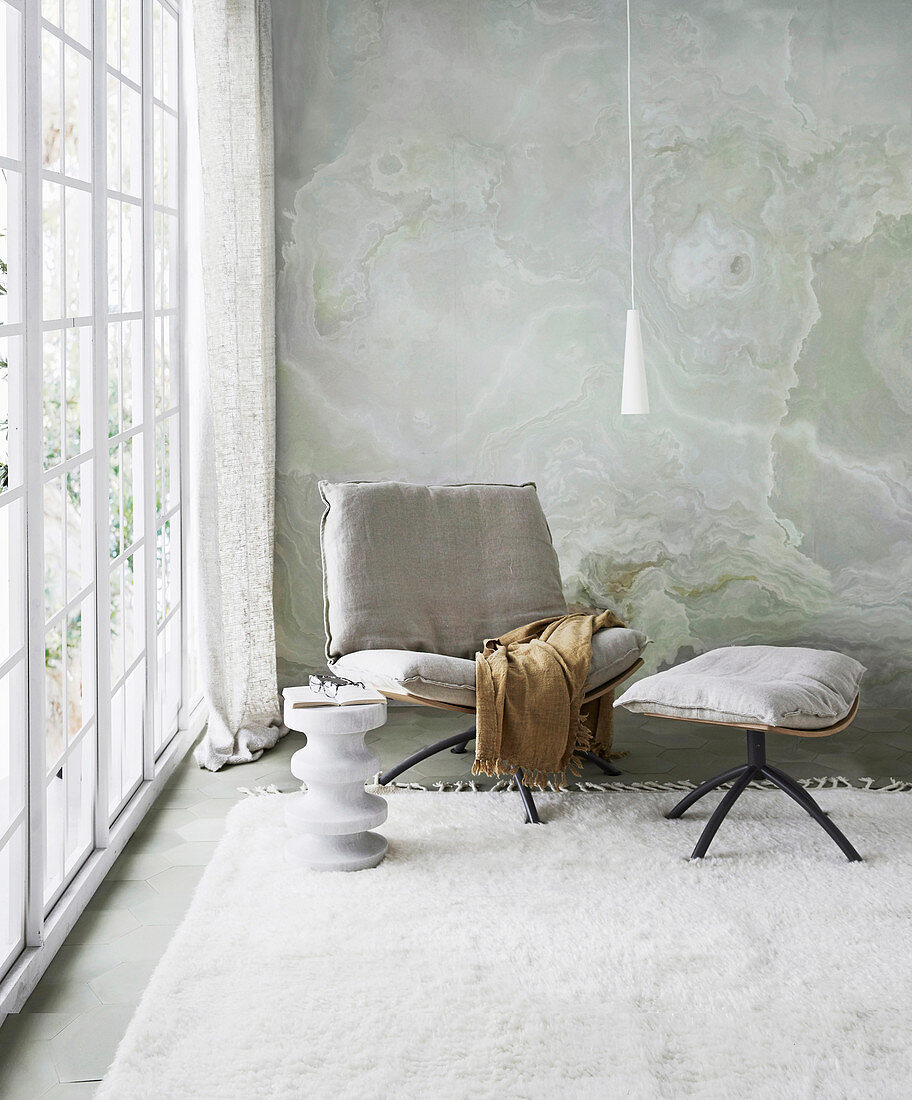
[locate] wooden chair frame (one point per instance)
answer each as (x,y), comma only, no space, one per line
(458,742)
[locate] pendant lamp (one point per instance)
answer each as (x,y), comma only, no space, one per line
(634,394)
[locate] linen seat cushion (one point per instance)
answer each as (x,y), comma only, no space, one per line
(433,569)
(452,679)
(790,686)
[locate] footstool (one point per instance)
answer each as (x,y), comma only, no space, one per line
(760,689)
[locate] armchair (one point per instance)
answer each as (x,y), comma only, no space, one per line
(416,577)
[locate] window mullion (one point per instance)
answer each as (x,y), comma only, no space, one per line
(100,422)
(34,480)
(148,194)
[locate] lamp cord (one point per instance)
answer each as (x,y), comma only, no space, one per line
(630,160)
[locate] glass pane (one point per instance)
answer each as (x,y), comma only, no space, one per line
(12,745)
(78,383)
(12,896)
(169,58)
(80,548)
(126,481)
(133,602)
(78,253)
(131,377)
(51,100)
(131,257)
(53,398)
(12,581)
(157,50)
(131,39)
(74,531)
(114,253)
(80,796)
(51,11)
(131,141)
(117,624)
(158,154)
(134,705)
(10,51)
(167,475)
(52,232)
(114,503)
(115,751)
(53,546)
(113,133)
(56,832)
(11,276)
(112,21)
(113,377)
(11,371)
(54,701)
(77,107)
(168,567)
(169,681)
(74,675)
(77,20)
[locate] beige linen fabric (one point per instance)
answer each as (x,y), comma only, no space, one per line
(433,569)
(234,454)
(802,689)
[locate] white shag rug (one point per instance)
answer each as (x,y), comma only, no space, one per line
(583,958)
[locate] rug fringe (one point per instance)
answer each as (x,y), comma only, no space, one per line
(650,786)
(252,792)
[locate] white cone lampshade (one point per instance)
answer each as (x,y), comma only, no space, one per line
(634,395)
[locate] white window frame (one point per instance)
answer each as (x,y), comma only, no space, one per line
(47,927)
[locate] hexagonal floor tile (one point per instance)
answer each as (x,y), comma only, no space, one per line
(124,983)
(102,926)
(202,828)
(28,1069)
(181,880)
(85,1048)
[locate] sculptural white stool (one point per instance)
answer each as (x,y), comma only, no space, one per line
(332,819)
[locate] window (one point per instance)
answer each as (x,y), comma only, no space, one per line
(92,670)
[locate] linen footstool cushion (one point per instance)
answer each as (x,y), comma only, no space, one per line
(790,686)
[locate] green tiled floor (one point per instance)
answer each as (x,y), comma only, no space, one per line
(66,1036)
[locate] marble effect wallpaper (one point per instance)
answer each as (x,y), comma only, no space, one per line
(453,280)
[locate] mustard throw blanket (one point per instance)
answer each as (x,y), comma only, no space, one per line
(529,687)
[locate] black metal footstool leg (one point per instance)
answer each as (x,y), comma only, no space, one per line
(757,768)
(719,814)
(806,802)
(710,785)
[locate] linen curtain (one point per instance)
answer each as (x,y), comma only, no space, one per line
(235,414)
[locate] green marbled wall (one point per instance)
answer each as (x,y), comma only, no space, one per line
(451,217)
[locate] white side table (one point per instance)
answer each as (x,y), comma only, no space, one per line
(332,818)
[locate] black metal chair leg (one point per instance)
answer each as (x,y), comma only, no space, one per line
(710,785)
(459,750)
(719,814)
(806,802)
(601,762)
(528,801)
(423,754)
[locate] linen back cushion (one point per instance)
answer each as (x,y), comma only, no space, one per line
(433,569)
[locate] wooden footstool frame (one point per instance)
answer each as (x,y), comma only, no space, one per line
(757,767)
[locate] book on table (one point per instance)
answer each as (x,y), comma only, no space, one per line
(344,697)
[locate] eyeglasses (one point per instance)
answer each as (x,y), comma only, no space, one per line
(328,685)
